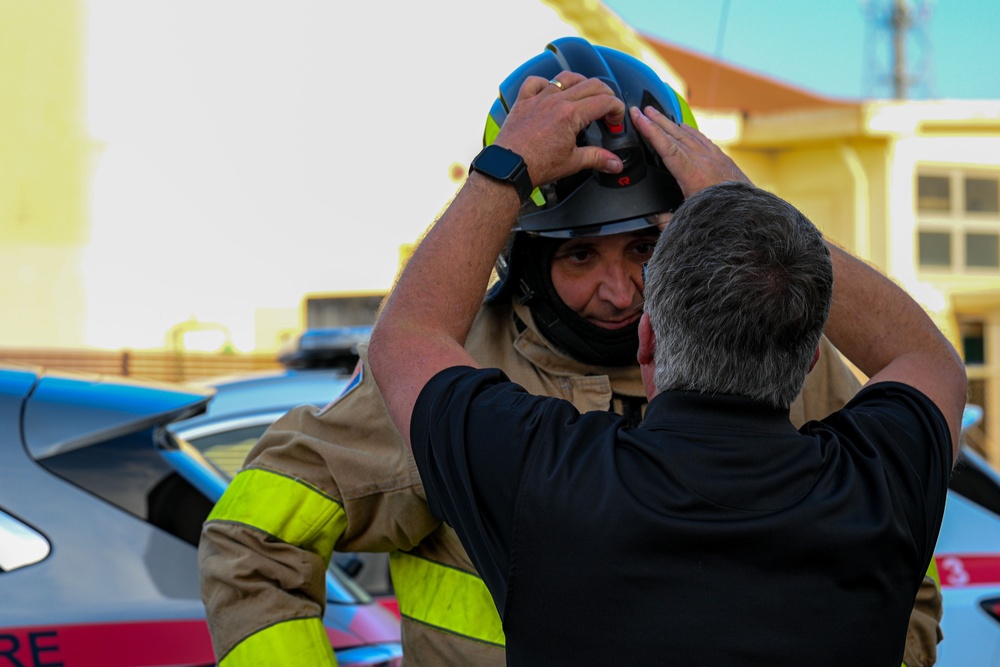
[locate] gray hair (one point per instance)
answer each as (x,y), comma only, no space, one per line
(737,292)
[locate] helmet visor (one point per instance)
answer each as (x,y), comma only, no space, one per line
(608,229)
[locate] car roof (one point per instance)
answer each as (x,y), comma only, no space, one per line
(277,391)
(326,347)
(63,411)
(318,365)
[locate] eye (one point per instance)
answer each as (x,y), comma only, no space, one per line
(644,249)
(575,253)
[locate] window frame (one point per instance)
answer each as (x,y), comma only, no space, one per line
(956,222)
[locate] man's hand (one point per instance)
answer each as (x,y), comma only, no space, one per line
(546,118)
(690,156)
(423,324)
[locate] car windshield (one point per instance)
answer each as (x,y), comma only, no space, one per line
(973,479)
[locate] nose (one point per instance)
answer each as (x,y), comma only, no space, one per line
(621,285)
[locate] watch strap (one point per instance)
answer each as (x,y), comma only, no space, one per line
(509,168)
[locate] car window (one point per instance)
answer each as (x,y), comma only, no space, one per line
(126,471)
(20,545)
(227,450)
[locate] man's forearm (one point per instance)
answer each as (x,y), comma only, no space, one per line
(427,316)
(424,323)
(447,278)
(888,336)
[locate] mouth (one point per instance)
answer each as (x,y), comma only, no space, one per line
(614,324)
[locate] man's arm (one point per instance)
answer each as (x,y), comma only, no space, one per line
(883,331)
(343,472)
(697,164)
(889,337)
(424,323)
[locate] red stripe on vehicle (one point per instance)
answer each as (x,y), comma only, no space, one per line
(340,639)
(961,570)
(375,624)
(143,644)
(392,604)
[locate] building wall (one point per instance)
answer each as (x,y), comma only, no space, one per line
(827,181)
(967,297)
(45,167)
(872,233)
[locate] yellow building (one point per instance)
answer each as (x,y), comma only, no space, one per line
(45,168)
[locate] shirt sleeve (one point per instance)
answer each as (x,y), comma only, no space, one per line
(470,432)
(912,438)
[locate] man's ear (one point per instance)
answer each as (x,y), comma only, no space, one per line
(647,346)
(647,341)
(815,359)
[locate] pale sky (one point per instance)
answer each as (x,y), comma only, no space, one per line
(256,151)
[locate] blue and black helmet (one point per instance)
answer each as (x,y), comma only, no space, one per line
(592,199)
(588,203)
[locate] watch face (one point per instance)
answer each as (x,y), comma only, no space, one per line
(497,162)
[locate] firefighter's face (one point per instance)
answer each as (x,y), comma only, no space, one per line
(600,277)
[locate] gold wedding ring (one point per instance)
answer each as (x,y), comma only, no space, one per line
(557,84)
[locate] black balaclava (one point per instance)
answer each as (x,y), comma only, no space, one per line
(570,333)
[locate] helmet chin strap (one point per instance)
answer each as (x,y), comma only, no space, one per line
(570,333)
(585,342)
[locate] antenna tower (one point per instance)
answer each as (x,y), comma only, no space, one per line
(896,28)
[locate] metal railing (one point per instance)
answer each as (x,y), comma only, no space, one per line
(143,364)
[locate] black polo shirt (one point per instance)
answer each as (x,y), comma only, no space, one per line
(713,534)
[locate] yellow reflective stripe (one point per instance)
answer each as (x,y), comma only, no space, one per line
(490,135)
(445,598)
(302,641)
(287,508)
(686,116)
(537,197)
(932,572)
(491,131)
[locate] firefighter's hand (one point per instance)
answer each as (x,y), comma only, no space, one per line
(547,116)
(690,156)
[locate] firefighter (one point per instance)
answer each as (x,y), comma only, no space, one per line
(561,320)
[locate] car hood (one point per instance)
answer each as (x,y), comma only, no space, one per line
(65,411)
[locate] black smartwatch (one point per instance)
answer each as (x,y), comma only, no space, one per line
(506,166)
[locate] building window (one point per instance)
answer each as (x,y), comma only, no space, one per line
(958,220)
(982,250)
(981,195)
(933,193)
(935,249)
(973,341)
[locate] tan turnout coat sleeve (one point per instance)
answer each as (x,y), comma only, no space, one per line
(348,451)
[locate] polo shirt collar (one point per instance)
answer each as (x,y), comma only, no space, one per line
(708,413)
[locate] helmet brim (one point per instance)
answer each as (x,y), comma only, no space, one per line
(594,205)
